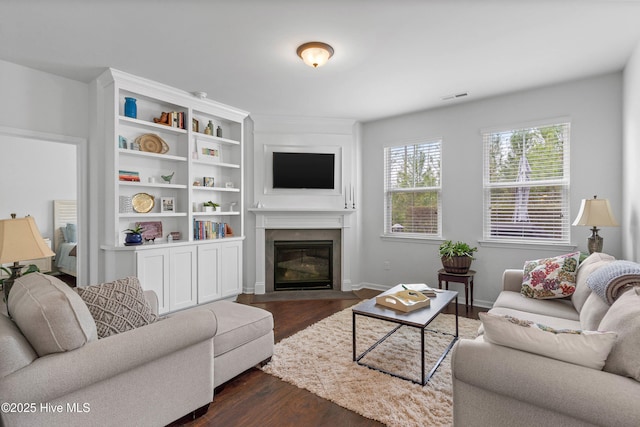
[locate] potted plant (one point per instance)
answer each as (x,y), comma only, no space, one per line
(134,236)
(456,257)
(210,206)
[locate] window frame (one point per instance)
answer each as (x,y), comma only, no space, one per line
(564,226)
(387,190)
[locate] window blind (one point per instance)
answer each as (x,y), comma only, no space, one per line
(526,184)
(412,189)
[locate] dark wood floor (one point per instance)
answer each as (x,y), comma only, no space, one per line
(261,400)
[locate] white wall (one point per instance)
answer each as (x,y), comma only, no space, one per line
(594,106)
(631,159)
(34,173)
(34,100)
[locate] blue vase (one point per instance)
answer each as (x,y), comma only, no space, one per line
(133,239)
(130,108)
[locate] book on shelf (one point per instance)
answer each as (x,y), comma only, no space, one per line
(206,230)
(128,176)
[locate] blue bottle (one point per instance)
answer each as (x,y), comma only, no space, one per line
(130,108)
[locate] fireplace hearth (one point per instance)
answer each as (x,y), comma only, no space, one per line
(302,265)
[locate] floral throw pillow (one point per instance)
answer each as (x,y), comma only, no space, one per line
(550,277)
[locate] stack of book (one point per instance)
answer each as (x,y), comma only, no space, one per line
(129,176)
(204,230)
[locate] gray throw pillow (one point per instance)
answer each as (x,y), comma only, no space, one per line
(117,306)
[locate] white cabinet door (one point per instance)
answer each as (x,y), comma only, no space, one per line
(153,272)
(208,273)
(231,269)
(183,283)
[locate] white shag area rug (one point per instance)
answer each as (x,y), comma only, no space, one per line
(320,359)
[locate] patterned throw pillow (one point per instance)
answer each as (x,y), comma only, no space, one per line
(550,277)
(117,306)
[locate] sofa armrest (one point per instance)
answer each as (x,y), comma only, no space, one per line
(512,280)
(105,358)
(152,299)
(589,395)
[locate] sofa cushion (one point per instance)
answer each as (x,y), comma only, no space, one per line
(585,348)
(556,308)
(550,277)
(552,321)
(117,306)
(15,350)
(238,324)
(51,316)
(592,312)
(588,266)
(623,317)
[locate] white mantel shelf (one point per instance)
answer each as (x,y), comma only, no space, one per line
(303,218)
(301,210)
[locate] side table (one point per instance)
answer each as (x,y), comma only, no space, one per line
(466,279)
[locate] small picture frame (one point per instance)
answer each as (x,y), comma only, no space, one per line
(167,204)
(209,151)
(122,142)
(228,184)
(195,125)
(208,181)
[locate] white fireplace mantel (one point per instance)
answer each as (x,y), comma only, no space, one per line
(301,218)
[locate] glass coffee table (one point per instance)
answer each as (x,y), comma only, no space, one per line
(419,319)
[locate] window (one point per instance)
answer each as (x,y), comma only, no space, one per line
(526,184)
(412,190)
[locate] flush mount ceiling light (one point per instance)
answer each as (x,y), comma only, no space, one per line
(315,54)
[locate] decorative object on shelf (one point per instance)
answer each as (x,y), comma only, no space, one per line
(209,129)
(142,202)
(122,142)
(199,94)
(219,132)
(134,146)
(209,151)
(228,184)
(315,54)
(133,235)
(167,204)
(152,143)
(208,181)
(232,205)
(20,239)
(152,230)
(130,108)
(456,257)
(595,213)
(163,119)
(125,205)
(167,178)
(175,235)
(195,125)
(210,206)
(197,183)
(129,176)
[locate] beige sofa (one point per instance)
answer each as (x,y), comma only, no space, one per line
(498,385)
(54,370)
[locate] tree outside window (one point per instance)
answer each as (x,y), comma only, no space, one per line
(526,184)
(412,189)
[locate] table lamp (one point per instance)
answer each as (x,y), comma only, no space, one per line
(595,213)
(20,240)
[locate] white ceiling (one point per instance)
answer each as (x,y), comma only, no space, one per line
(391,57)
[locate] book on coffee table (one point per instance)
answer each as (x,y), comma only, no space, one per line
(406,300)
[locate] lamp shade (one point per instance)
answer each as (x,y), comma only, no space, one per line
(315,54)
(595,213)
(21,240)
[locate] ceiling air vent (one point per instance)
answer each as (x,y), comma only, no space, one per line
(454,96)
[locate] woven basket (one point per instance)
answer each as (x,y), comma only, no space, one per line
(456,264)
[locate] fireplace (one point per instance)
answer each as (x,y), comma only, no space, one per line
(303,259)
(303,264)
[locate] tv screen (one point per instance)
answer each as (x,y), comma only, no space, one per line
(303,170)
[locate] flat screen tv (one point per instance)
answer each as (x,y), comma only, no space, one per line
(303,170)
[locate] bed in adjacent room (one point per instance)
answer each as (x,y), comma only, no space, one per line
(65,239)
